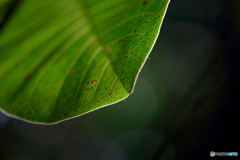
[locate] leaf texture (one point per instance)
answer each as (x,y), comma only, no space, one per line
(63,58)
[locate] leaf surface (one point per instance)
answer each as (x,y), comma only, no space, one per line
(63,58)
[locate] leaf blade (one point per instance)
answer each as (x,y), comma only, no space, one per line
(64,71)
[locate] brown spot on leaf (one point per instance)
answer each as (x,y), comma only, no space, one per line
(30,112)
(87,82)
(110,93)
(136,31)
(93,81)
(89,88)
(91,41)
(69,73)
(131,51)
(65,114)
(158,17)
(126,38)
(146,22)
(27,76)
(119,41)
(107,50)
(145,3)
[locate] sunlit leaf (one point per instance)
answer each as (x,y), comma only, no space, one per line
(63,58)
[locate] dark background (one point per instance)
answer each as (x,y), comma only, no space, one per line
(184,104)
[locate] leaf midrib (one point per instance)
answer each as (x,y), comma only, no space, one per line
(91,23)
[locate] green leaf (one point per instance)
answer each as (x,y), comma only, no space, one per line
(63,58)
